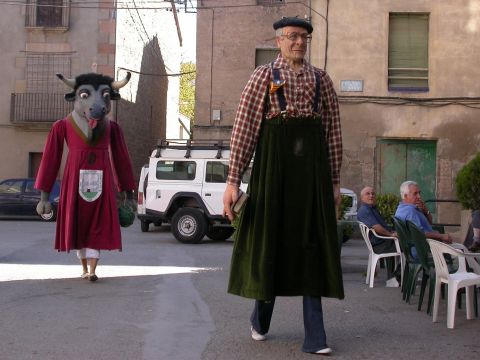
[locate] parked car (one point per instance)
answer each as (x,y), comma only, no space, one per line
(19,199)
(351,210)
(183,184)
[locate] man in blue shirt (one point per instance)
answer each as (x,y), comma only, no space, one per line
(413,208)
(369,215)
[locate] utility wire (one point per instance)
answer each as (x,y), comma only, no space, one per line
(108,5)
(470,102)
(154,74)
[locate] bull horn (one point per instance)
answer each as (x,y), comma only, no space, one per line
(68,82)
(121,83)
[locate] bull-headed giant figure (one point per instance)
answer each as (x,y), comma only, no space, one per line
(97,165)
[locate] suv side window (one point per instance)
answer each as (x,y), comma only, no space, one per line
(217,172)
(176,170)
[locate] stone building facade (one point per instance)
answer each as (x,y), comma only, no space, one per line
(38,41)
(71,38)
(412,116)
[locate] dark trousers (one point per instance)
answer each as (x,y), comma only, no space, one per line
(315,337)
(387,246)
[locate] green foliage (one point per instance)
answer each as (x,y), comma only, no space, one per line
(345,202)
(387,205)
(468,184)
(187,91)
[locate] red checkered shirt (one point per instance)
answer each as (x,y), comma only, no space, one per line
(299,90)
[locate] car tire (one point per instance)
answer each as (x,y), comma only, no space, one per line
(51,216)
(220,233)
(189,225)
(144,225)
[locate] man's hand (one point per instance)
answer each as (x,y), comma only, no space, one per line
(44,206)
(421,206)
(230,196)
(446,238)
(337,198)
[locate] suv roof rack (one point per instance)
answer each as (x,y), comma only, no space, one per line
(189,145)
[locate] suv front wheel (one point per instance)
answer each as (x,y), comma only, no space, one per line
(189,225)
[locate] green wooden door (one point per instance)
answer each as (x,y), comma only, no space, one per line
(400,160)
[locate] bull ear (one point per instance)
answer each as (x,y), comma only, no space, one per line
(121,83)
(70,96)
(69,82)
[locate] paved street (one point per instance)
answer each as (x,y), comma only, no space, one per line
(160,299)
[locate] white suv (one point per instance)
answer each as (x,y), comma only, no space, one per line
(183,184)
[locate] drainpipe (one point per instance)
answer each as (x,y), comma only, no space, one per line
(326,36)
(310,17)
(211,69)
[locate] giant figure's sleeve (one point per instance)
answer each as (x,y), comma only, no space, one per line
(333,131)
(51,158)
(121,159)
(246,127)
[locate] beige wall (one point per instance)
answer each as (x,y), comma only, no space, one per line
(226,57)
(357,50)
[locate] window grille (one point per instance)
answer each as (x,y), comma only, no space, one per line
(41,69)
(49,14)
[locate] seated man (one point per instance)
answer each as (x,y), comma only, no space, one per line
(369,215)
(413,208)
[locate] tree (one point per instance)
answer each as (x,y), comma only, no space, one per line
(468,184)
(187,91)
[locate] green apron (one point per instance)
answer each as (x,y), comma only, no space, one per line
(286,243)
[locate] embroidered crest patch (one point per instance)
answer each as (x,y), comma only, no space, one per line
(90,184)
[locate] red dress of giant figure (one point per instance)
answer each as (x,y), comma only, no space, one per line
(86,219)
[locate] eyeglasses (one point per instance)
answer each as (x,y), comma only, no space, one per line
(294,36)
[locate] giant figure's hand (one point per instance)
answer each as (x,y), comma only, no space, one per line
(44,206)
(230,196)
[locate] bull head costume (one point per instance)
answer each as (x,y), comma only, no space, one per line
(97,163)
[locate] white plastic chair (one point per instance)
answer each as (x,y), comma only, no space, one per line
(373,257)
(455,281)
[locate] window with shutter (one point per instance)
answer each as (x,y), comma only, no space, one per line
(408,52)
(47,14)
(265,56)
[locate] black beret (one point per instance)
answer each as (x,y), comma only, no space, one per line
(293,21)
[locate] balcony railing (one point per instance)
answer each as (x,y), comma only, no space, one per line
(38,108)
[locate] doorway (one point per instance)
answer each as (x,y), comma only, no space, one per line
(34,159)
(399,160)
